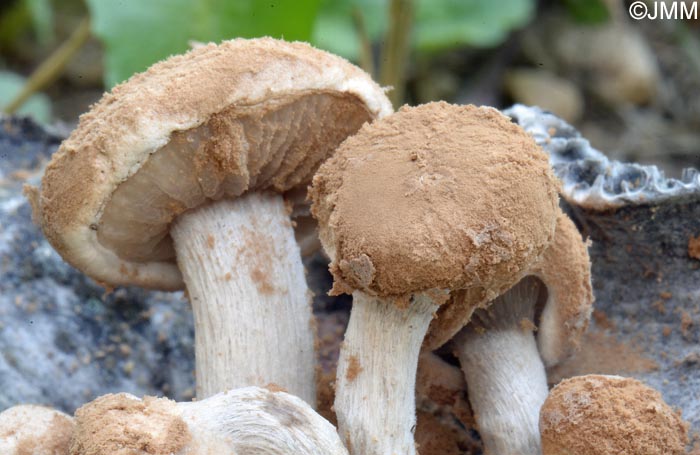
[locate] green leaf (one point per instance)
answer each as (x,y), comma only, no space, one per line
(439,24)
(587,11)
(41,12)
(335,31)
(137,33)
(38,106)
(480,23)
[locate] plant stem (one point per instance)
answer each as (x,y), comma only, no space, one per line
(52,67)
(396,49)
(366,59)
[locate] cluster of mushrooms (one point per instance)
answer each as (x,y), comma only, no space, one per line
(442,221)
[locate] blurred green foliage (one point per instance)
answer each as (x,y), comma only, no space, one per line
(587,11)
(137,33)
(38,106)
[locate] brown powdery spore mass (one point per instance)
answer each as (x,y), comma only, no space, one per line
(603,415)
(54,441)
(694,247)
(123,425)
(472,203)
(354,368)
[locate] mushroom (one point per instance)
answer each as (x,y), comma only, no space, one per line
(503,362)
(176,179)
(430,199)
(249,420)
(601,415)
(35,430)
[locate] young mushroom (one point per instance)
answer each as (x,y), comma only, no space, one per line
(430,199)
(504,363)
(35,430)
(601,415)
(176,179)
(249,420)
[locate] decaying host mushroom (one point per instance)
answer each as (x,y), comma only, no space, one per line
(503,362)
(432,198)
(250,420)
(35,430)
(175,178)
(602,415)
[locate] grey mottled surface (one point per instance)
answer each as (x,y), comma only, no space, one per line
(62,340)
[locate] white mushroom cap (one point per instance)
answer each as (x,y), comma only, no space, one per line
(34,430)
(249,420)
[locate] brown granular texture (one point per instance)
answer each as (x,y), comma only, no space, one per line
(694,247)
(434,437)
(565,269)
(603,415)
(435,196)
(354,368)
(54,441)
(123,425)
(603,353)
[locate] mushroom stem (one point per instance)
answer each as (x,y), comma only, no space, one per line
(375,384)
(505,375)
(246,283)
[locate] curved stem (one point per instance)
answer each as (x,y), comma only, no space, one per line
(507,386)
(375,384)
(52,67)
(246,283)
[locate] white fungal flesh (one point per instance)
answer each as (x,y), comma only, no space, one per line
(255,421)
(38,430)
(505,375)
(252,311)
(507,386)
(375,385)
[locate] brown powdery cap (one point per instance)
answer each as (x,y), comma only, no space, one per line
(437,196)
(216,122)
(35,430)
(121,424)
(602,415)
(565,270)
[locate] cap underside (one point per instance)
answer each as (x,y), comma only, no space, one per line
(275,145)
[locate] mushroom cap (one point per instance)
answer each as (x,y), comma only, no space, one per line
(37,430)
(123,424)
(565,271)
(601,415)
(243,420)
(437,196)
(220,120)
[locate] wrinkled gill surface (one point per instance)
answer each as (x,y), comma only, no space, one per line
(275,145)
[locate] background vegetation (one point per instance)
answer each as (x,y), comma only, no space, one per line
(624,83)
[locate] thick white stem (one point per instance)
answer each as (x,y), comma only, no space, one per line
(375,385)
(507,386)
(246,283)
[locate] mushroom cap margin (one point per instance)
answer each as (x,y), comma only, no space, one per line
(117,135)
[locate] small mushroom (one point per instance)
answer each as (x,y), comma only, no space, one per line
(504,363)
(176,179)
(249,420)
(35,430)
(430,199)
(602,415)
